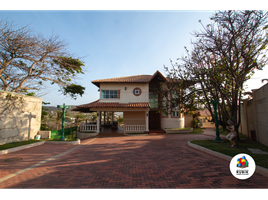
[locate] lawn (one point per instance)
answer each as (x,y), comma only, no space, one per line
(67,140)
(226,132)
(197,130)
(261,160)
(17,144)
(186,128)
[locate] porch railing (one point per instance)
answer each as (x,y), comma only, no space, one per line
(88,127)
(134,128)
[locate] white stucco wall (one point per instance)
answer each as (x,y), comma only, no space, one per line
(169,122)
(126,96)
(20,121)
(255,115)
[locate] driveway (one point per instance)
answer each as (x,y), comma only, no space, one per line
(163,161)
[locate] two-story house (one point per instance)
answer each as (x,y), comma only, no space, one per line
(137,97)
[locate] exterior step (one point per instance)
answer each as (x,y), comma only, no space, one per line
(156,132)
(110,135)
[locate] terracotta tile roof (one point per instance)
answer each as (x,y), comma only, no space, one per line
(97,104)
(126,79)
(129,79)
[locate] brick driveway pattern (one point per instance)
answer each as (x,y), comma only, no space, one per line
(163,161)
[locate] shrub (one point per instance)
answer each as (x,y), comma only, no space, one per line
(194,123)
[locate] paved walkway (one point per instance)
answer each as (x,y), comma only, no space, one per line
(162,161)
(212,132)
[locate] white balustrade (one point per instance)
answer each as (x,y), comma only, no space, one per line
(135,128)
(88,127)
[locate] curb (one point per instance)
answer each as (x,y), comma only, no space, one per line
(42,162)
(6,151)
(260,170)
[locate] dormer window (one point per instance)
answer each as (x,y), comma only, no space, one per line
(137,91)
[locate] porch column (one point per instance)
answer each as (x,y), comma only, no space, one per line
(147,120)
(98,121)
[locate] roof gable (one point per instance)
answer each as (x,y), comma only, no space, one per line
(157,74)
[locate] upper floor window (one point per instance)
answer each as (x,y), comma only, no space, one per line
(109,94)
(175,99)
(153,99)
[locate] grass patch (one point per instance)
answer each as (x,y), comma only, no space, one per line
(68,139)
(17,144)
(197,130)
(259,159)
(186,128)
(226,132)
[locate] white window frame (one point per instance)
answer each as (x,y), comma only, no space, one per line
(113,94)
(175,113)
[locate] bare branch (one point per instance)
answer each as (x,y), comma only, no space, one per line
(29,58)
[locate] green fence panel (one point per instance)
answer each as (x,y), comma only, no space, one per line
(69,133)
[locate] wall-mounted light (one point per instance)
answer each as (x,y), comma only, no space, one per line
(147,114)
(98,114)
(125,88)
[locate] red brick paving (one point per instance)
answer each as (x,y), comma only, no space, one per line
(125,162)
(29,157)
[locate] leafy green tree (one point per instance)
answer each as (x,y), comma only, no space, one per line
(120,119)
(28,61)
(44,114)
(79,118)
(94,117)
(225,54)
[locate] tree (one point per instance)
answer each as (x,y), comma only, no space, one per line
(79,118)
(27,61)
(225,55)
(59,114)
(44,116)
(94,116)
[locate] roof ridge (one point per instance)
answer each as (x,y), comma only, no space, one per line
(121,77)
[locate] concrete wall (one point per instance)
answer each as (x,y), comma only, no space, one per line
(187,120)
(44,134)
(170,122)
(254,115)
(21,119)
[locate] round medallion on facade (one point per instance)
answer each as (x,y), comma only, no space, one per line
(137,91)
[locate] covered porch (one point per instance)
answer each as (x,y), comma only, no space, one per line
(135,117)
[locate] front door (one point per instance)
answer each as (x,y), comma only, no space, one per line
(154,120)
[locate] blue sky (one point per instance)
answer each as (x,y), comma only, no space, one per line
(115,43)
